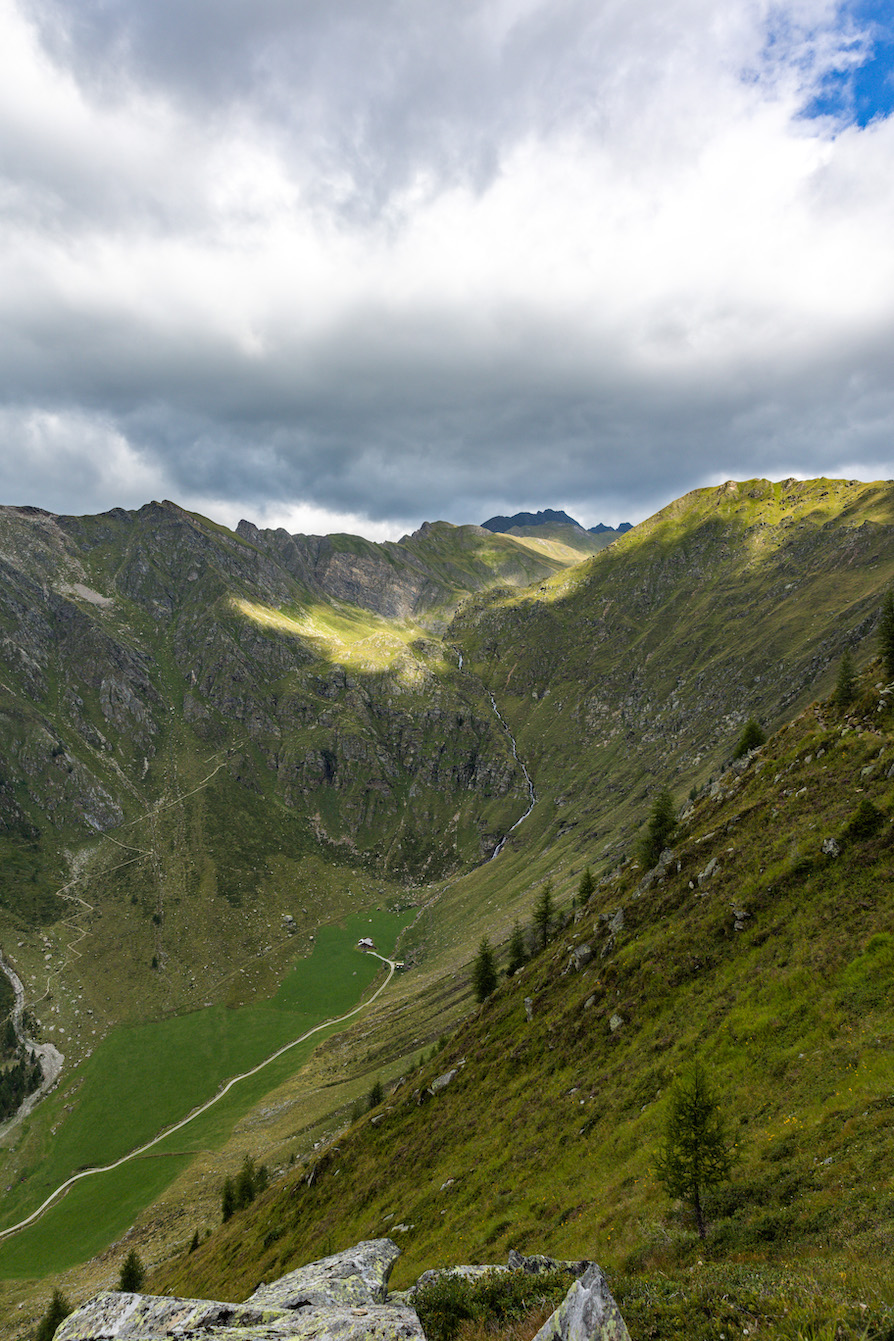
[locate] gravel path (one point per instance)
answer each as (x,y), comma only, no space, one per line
(190,1117)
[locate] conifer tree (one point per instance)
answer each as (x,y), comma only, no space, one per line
(376,1094)
(57,1311)
(846,684)
(244,1190)
(866,821)
(543,914)
(484,972)
(586,887)
(752,737)
(133,1273)
(886,635)
(194,1244)
(660,829)
(695,1155)
(518,955)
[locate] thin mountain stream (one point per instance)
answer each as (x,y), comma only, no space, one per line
(532,794)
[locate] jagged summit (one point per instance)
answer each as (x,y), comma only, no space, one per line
(548,516)
(621,529)
(556,524)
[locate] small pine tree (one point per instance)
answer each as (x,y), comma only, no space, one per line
(543,915)
(195,1242)
(752,737)
(586,888)
(846,684)
(866,821)
(244,1190)
(57,1311)
(484,972)
(518,955)
(262,1180)
(660,829)
(376,1095)
(886,635)
(133,1273)
(695,1155)
(227,1200)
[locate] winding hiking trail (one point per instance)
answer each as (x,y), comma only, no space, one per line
(203,1108)
(52,1059)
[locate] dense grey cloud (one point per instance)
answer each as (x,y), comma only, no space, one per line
(361,264)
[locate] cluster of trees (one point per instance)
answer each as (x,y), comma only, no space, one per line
(545,920)
(17,1082)
(485,976)
(239,1192)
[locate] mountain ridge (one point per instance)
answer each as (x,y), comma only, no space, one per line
(360,758)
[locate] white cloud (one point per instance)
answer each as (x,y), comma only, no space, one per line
(308,259)
(65,461)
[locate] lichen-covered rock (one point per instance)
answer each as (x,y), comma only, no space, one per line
(580,957)
(536,1264)
(356,1277)
(466,1272)
(377,1322)
(150,1319)
(121,1315)
(587,1313)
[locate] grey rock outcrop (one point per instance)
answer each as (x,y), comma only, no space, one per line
(588,1313)
(464,1272)
(356,1277)
(441,1082)
(117,1314)
(339,1298)
(580,957)
(705,875)
(536,1264)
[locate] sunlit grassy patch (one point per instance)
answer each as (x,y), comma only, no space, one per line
(356,639)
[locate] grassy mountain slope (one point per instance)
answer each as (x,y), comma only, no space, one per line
(194,745)
(636,668)
(271,748)
(775,970)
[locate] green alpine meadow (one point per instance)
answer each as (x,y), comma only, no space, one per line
(533,888)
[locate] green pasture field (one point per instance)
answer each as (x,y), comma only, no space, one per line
(141,1079)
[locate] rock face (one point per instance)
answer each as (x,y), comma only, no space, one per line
(339,1298)
(356,1277)
(588,1313)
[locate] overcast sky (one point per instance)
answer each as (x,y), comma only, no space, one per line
(354,264)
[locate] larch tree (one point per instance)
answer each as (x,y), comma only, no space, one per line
(659,830)
(696,1153)
(484,972)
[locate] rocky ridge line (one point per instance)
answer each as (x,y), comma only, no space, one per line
(339,1298)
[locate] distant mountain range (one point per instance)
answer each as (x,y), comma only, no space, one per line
(549,517)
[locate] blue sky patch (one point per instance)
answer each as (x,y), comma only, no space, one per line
(861,89)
